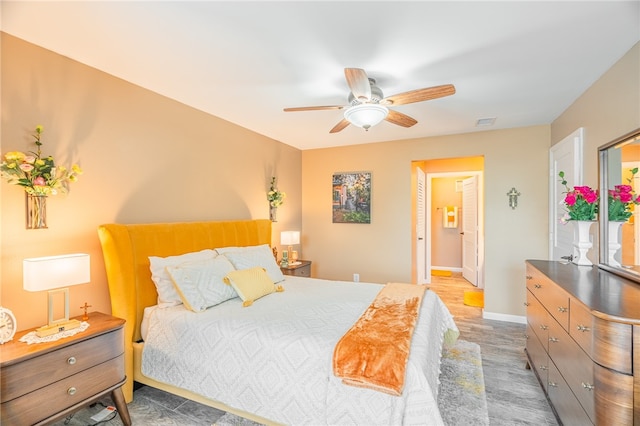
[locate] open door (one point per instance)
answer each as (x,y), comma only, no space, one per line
(470,230)
(423,269)
(565,156)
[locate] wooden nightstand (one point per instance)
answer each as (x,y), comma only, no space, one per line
(301,270)
(43,382)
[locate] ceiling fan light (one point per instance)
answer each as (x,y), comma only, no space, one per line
(366,115)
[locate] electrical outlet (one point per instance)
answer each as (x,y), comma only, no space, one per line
(356,278)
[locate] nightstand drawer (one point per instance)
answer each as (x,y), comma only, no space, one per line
(46,401)
(34,373)
(301,270)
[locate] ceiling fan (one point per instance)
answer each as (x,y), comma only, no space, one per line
(368,107)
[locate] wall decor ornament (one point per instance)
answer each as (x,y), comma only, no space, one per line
(352,197)
(276,199)
(39,176)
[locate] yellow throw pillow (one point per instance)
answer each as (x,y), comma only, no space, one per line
(251,284)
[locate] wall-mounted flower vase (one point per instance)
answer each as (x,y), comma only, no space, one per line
(273,214)
(36,211)
(581,242)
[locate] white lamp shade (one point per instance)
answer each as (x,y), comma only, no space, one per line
(288,238)
(47,273)
(366,115)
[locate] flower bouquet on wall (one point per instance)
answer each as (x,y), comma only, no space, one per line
(39,176)
(275,198)
(581,205)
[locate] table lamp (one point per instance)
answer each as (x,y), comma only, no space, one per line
(55,274)
(288,238)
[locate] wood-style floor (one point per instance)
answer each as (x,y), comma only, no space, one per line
(514,395)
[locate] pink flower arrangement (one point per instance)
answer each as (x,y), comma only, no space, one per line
(621,198)
(581,202)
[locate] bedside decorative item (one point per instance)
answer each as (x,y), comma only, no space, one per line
(284,262)
(85,315)
(289,238)
(51,273)
(40,178)
(8,325)
(276,199)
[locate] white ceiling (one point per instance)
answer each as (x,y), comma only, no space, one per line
(521,62)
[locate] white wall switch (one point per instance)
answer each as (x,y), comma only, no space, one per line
(356,278)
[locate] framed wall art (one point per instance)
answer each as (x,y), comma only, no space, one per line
(352,197)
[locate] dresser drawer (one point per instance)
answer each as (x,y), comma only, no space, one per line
(538,318)
(64,393)
(575,365)
(538,358)
(614,397)
(552,297)
(37,372)
(608,343)
(563,400)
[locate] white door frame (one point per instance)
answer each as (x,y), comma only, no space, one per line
(463,174)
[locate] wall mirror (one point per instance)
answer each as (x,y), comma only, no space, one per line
(619,232)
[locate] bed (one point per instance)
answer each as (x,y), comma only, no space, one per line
(270,361)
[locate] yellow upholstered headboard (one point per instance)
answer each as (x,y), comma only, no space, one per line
(126,250)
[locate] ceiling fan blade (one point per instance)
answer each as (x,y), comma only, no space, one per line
(400,119)
(341,125)
(358,83)
(420,95)
(314,108)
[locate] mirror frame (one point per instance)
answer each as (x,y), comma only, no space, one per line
(603,181)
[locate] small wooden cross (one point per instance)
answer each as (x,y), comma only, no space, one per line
(85,307)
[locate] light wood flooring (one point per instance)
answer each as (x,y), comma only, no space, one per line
(514,395)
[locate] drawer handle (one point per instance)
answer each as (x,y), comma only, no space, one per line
(72,391)
(526,304)
(544,327)
(543,368)
(537,286)
(71,360)
(553,339)
(529,277)
(588,386)
(562,309)
(526,336)
(553,385)
(583,328)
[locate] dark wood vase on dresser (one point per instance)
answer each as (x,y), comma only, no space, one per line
(583,342)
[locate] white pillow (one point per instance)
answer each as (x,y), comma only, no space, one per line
(167,294)
(200,284)
(252,256)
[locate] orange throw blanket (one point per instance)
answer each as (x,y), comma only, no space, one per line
(374,352)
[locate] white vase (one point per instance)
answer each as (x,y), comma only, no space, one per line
(613,238)
(581,242)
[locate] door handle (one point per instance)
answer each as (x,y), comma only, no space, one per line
(420,238)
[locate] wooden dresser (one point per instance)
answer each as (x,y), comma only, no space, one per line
(303,269)
(583,342)
(42,382)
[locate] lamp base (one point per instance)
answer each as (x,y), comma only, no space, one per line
(48,330)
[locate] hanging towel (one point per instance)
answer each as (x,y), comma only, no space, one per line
(450,217)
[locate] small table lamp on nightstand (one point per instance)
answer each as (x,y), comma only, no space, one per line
(51,273)
(288,238)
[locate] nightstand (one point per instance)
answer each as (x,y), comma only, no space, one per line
(301,270)
(43,382)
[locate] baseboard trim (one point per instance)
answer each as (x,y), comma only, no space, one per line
(504,317)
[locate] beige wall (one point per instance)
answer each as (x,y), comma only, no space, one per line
(146,158)
(608,109)
(382,251)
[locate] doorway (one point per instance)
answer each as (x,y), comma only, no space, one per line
(448,223)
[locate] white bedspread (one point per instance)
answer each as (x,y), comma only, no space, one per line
(273,358)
